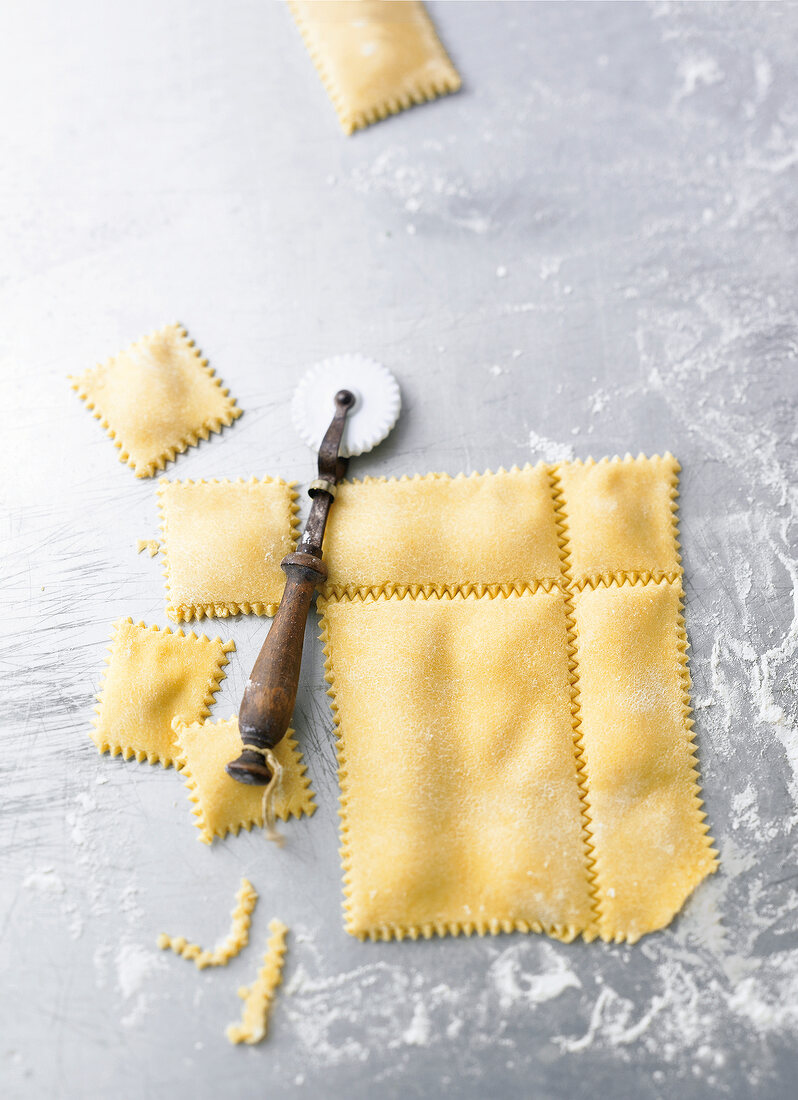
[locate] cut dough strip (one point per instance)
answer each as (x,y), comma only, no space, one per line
(590,931)
(152,546)
(500,531)
(237,938)
(259,997)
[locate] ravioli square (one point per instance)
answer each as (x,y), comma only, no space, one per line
(152,676)
(222,805)
(444,534)
(223,542)
(650,837)
(460,801)
(156,398)
(620,516)
(374,58)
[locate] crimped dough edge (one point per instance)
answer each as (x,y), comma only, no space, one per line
(259,997)
(518,585)
(115,748)
(423,91)
(207,834)
(235,941)
(568,586)
(222,610)
(191,438)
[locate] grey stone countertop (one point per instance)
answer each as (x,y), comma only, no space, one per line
(590,250)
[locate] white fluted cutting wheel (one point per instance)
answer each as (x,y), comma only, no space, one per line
(376,409)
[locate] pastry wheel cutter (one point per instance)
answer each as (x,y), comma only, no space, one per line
(363,397)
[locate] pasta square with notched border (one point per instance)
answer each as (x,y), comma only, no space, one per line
(154,675)
(459,790)
(156,398)
(374,58)
(223,542)
(221,805)
(621,516)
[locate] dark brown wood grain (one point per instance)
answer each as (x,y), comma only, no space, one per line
(270,694)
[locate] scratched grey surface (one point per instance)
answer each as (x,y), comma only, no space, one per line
(590,250)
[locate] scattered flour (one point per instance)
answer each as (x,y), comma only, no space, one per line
(548,450)
(102,960)
(598,402)
(133,966)
(550,267)
(45,881)
(419,1032)
(514,985)
(134,969)
(694,73)
(419,187)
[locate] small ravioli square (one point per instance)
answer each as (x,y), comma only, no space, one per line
(152,676)
(460,799)
(222,805)
(374,58)
(650,836)
(156,398)
(443,533)
(621,516)
(223,542)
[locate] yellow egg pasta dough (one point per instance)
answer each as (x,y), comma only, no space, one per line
(156,398)
(236,940)
(153,676)
(375,58)
(222,805)
(512,703)
(259,997)
(223,542)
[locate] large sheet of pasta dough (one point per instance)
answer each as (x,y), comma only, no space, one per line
(509,676)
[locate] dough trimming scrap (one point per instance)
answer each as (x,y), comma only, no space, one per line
(259,997)
(236,940)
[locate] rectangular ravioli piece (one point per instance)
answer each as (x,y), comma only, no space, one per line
(621,517)
(374,57)
(154,676)
(649,832)
(223,544)
(460,803)
(443,533)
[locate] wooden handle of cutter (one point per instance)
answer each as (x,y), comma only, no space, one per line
(270,694)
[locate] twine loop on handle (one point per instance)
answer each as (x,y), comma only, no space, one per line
(270,792)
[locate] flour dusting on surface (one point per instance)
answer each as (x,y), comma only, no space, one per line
(548,450)
(135,968)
